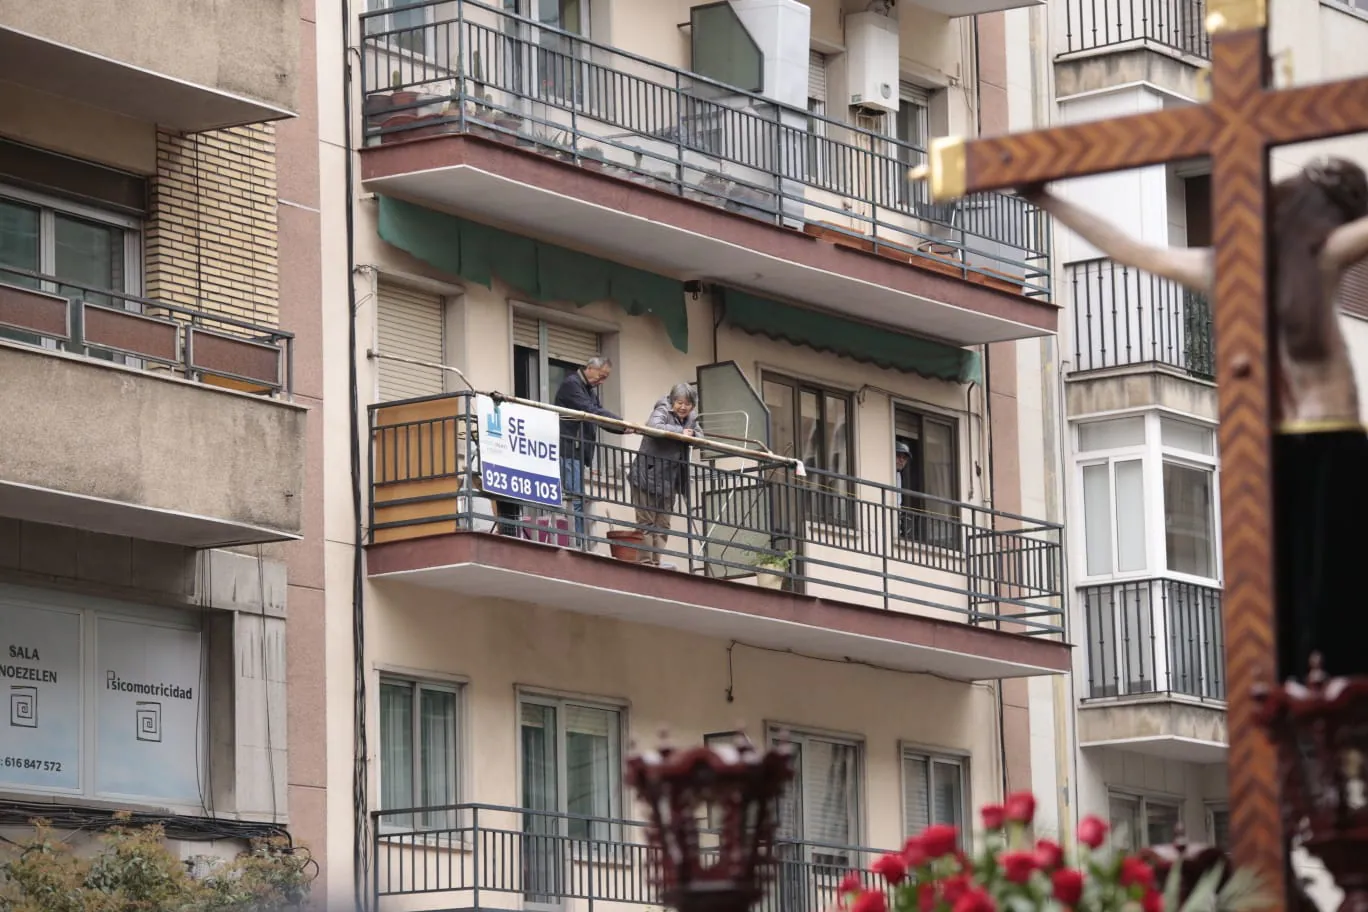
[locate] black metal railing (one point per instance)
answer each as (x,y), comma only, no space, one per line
(851,539)
(459,852)
(464,66)
(203,345)
(1175,24)
(1154,636)
(1123,316)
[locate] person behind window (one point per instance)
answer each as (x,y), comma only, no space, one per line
(660,473)
(580,391)
(902,455)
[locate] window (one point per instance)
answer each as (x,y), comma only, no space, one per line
(544,354)
(934,790)
(1138,822)
(405,30)
(104,700)
(562,73)
(813,424)
(912,126)
(1356,5)
(932,468)
(419,753)
(1114,497)
(90,247)
(1218,826)
(571,764)
(823,804)
(817,91)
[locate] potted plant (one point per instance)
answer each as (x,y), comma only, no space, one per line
(591,157)
(770,569)
(934,874)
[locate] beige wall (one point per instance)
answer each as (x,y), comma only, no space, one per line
(81,131)
(246,48)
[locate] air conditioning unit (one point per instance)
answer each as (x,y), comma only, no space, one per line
(872,61)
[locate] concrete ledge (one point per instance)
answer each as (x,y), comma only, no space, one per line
(1159,726)
(110,449)
(1139,386)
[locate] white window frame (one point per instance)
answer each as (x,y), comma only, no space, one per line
(50,206)
(1153,454)
(419,684)
(91,609)
(616,794)
(1356,8)
(1214,808)
(931,757)
(1143,801)
(906,192)
(777,733)
(417,55)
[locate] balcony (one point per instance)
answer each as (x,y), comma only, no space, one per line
(1156,670)
(474,856)
(185,67)
(1123,317)
(931,585)
(1175,26)
(543,132)
(146,419)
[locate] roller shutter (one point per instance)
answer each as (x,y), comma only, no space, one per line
(410,325)
(1354,290)
(817,76)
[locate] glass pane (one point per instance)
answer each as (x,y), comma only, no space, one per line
(916,801)
(830,792)
(949,795)
(837,430)
(1110,434)
(1097,523)
(810,430)
(438,756)
(89,254)
(1161,825)
(527,373)
(396,749)
(1125,829)
(779,401)
(591,768)
(542,843)
(1184,435)
(19,248)
(723,49)
(1220,828)
(1189,520)
(1130,516)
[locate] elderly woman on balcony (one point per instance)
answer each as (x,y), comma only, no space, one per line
(660,473)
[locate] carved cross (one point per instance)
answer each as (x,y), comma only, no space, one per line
(1236,128)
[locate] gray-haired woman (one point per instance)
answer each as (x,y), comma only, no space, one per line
(660,473)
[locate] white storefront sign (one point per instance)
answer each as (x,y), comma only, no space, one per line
(519,452)
(40,673)
(148,710)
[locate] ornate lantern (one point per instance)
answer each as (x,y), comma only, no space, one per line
(736,783)
(1320,731)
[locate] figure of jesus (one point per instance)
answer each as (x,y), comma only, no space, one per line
(1318,229)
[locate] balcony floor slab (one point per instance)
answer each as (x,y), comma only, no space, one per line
(491,566)
(528,193)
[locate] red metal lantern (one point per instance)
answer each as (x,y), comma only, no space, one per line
(736,783)
(1320,731)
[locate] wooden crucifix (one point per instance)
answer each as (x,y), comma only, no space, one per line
(1236,128)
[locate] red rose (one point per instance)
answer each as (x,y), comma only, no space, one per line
(993,816)
(851,883)
(953,888)
(1092,832)
(914,853)
(1153,902)
(891,868)
(1017,866)
(1068,886)
(1020,808)
(870,901)
(975,901)
(939,840)
(1135,872)
(926,897)
(1048,855)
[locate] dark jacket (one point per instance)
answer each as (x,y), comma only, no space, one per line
(662,465)
(579,437)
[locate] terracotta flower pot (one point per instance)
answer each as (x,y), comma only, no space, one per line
(623,542)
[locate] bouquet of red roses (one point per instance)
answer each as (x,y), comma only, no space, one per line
(1009,874)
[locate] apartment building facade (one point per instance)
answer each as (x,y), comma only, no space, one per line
(709,194)
(1141,479)
(160,567)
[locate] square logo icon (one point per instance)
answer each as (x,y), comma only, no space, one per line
(148,718)
(23,706)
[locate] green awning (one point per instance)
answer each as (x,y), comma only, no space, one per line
(541,271)
(860,341)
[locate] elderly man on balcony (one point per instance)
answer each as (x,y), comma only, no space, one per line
(579,391)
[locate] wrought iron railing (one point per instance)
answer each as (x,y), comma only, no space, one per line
(853,539)
(1123,316)
(462,66)
(203,345)
(1178,25)
(457,853)
(1154,636)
